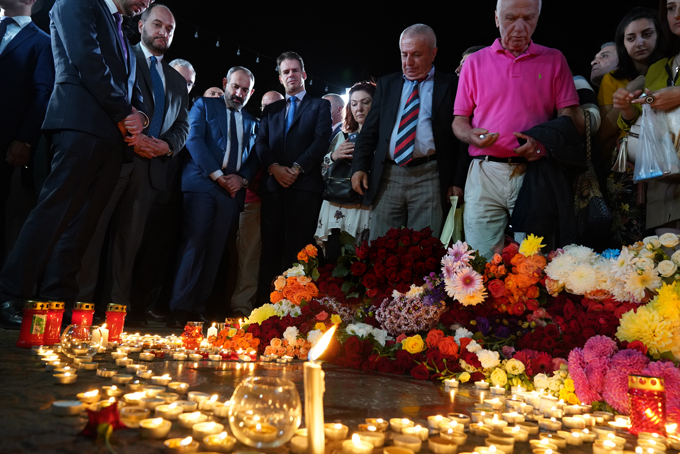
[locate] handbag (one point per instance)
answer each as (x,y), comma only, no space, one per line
(453,226)
(592,212)
(338,183)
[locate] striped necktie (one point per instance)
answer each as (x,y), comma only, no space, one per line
(406,134)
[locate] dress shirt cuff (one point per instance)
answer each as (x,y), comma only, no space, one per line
(298,167)
(216,174)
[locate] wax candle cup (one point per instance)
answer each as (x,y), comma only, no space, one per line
(439,445)
(154,428)
(203,429)
(335,431)
(169,412)
(221,442)
(356,446)
(181,445)
(89,397)
(131,416)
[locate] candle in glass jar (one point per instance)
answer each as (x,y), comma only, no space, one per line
(261,433)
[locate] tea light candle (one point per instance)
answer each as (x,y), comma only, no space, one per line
(113,391)
(88,365)
(481,385)
(131,416)
(136,385)
(260,432)
(619,441)
(417,431)
(398,450)
(223,443)
(572,438)
(496,403)
(480,429)
(145,374)
(195,357)
(517,389)
(168,398)
(495,423)
(517,433)
(380,424)
(460,419)
(162,380)
(589,420)
(543,443)
(335,431)
(377,439)
(89,397)
(606,447)
(134,398)
(603,431)
(154,428)
(574,422)
(221,409)
(602,416)
(440,445)
(650,443)
(621,422)
(497,390)
(147,356)
(452,425)
(179,356)
(525,409)
(50,366)
(398,424)
(550,424)
(187,405)
(169,412)
(451,383)
(406,441)
(573,410)
(530,427)
(67,407)
(502,446)
(513,417)
(557,440)
(187,420)
(436,421)
(197,396)
(203,429)
(133,368)
(118,355)
(121,379)
(181,446)
(179,387)
(298,444)
(151,402)
(478,416)
(457,437)
(66,378)
(82,359)
(587,435)
(153,390)
(215,357)
(123,362)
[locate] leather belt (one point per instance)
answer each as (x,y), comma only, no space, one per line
(417,161)
(513,160)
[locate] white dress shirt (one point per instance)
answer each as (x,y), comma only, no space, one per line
(13,30)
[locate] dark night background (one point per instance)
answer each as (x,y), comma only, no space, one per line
(342,43)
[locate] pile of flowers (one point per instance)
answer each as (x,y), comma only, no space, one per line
(234,339)
(463,282)
(296,284)
(417,310)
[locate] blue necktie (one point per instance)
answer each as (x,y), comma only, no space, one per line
(158,100)
(233,148)
(291,112)
(4,23)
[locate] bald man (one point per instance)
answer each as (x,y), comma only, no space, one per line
(249,240)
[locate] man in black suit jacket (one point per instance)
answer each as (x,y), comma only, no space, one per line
(24,89)
(294,137)
(95,104)
(147,174)
(410,186)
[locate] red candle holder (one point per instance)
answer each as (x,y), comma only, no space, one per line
(82,314)
(33,324)
(115,321)
(55,315)
(647,397)
(192,335)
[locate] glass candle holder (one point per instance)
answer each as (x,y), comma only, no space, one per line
(82,314)
(192,335)
(115,321)
(53,323)
(647,397)
(33,324)
(80,340)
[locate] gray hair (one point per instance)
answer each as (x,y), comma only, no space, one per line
(607,44)
(334,98)
(540,5)
(183,63)
(234,69)
(420,30)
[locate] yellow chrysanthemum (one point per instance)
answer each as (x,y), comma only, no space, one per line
(667,303)
(261,314)
(472,299)
(531,245)
(647,326)
(335,319)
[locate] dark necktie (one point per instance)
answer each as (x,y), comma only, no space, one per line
(119,21)
(291,112)
(406,134)
(233,148)
(4,23)
(158,100)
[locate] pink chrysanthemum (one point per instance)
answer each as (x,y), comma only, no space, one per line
(461,254)
(599,347)
(448,267)
(596,371)
(577,372)
(622,364)
(671,377)
(467,281)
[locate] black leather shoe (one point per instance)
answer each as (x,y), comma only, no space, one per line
(199,317)
(155,316)
(178,319)
(136,320)
(11,313)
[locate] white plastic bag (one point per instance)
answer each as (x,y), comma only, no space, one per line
(656,154)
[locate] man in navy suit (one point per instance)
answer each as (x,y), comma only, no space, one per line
(294,136)
(221,164)
(25,88)
(96,106)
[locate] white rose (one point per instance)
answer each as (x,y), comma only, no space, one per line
(359,329)
(296,270)
(379,335)
(653,240)
(313,336)
(291,334)
(667,268)
(644,253)
(461,333)
(645,264)
(669,240)
(474,347)
(488,358)
(541,381)
(675,258)
(554,384)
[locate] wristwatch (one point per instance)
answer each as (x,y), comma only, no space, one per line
(245,181)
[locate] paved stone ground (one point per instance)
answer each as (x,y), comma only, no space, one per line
(27,393)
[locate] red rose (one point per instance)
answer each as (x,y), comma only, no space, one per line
(419,269)
(367,347)
(431,263)
(551,331)
(548,343)
(304,328)
(354,345)
(392,262)
(391,245)
(268,324)
(363,251)
(371,292)
(392,274)
(434,358)
(315,305)
(305,310)
(271,334)
(396,368)
(415,252)
(403,287)
(639,346)
(254,329)
(379,269)
(406,276)
(333,290)
(382,364)
(358,268)
(370,280)
(477,376)
(369,320)
(518,308)
(354,360)
(496,288)
(404,359)
(471,359)
(392,233)
(417,237)
(532,304)
(407,261)
(420,372)
(323,287)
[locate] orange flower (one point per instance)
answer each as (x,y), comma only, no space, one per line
(292,280)
(433,337)
(538,261)
(276,342)
(448,346)
(299,296)
(311,250)
(279,283)
(280,351)
(300,342)
(312,289)
(301,355)
(304,351)
(255,343)
(248,336)
(269,350)
(532,292)
(289,293)
(304,280)
(284,342)
(275,297)
(302,256)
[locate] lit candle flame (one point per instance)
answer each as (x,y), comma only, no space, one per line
(91,393)
(213,398)
(319,348)
(172,406)
(186,442)
(609,443)
(156,422)
(516,429)
(223,435)
(371,428)
(210,426)
(165,376)
(575,435)
(355,439)
(438,417)
(405,421)
(338,426)
(492,448)
(67,374)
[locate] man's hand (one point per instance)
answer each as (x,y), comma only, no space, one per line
(455,191)
(154,147)
(138,142)
(134,123)
(482,138)
(360,182)
(530,150)
(232,183)
(18,154)
(285,176)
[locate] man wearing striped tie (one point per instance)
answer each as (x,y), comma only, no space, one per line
(406,156)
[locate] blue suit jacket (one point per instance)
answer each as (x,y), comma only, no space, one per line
(95,84)
(207,142)
(25,85)
(306,142)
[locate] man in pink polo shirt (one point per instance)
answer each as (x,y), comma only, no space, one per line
(506,88)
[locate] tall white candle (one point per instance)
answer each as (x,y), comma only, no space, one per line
(314,389)
(212,331)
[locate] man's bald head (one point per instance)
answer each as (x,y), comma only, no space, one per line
(420,30)
(270,97)
(213,92)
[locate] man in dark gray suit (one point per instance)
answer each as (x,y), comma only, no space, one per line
(165,94)
(95,104)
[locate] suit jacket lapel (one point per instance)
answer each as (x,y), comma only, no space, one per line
(146,76)
(167,72)
(393,100)
(28,31)
(222,117)
(245,139)
(438,92)
(114,30)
